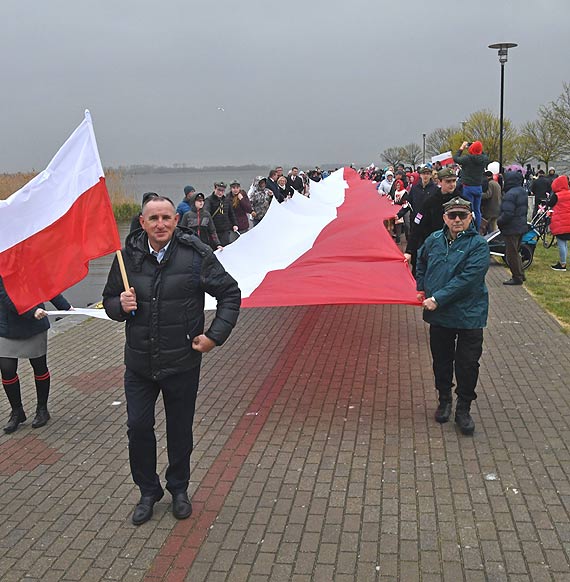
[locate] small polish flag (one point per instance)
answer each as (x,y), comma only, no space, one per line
(59,221)
(444,159)
(331,248)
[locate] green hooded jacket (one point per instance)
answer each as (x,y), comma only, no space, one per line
(454,275)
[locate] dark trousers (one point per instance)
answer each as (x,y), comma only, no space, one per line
(224,237)
(460,349)
(512,255)
(179,395)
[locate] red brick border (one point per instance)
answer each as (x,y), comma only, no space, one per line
(183,544)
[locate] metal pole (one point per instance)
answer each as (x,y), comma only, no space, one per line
(501,119)
(424,149)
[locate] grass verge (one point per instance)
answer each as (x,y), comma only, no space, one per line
(550,288)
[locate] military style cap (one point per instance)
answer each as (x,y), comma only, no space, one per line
(457,202)
(219,184)
(446,173)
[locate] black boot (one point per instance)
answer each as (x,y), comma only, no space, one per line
(463,417)
(41,418)
(443,411)
(17,417)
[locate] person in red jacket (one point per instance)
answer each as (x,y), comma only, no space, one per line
(559,201)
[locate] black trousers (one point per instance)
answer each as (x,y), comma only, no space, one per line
(458,349)
(512,255)
(179,395)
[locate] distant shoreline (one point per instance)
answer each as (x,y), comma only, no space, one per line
(255,168)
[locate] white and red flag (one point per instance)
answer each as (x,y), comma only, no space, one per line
(331,248)
(52,227)
(444,159)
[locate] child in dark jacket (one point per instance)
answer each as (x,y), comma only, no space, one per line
(201,222)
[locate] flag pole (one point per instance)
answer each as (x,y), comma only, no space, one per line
(123,270)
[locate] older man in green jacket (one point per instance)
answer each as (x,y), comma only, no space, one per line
(450,275)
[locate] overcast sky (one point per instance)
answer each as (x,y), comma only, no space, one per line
(299,81)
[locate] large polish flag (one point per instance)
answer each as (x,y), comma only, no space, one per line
(52,227)
(444,159)
(331,248)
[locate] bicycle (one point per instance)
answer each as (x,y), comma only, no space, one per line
(541,223)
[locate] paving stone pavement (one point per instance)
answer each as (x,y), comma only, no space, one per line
(317,457)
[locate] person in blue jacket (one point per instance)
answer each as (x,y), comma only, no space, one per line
(450,278)
(186,204)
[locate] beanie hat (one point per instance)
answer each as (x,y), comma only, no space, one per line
(476,148)
(188,189)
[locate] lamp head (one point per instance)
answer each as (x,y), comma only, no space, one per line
(503,48)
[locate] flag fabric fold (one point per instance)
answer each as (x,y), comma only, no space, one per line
(53,226)
(331,248)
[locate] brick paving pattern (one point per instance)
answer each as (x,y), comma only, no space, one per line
(317,458)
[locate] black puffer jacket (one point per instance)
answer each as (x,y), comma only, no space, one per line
(15,326)
(170,303)
(222,212)
(514,205)
(428,219)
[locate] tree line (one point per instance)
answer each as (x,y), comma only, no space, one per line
(546,139)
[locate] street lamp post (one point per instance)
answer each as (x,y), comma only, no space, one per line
(503,48)
(424,149)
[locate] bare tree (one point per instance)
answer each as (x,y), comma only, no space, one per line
(558,114)
(392,156)
(546,140)
(412,155)
(443,139)
(523,150)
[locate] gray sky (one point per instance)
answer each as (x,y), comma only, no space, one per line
(302,81)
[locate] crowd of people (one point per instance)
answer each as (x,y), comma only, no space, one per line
(220,217)
(500,201)
(442,213)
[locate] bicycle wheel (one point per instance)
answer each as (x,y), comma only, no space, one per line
(549,239)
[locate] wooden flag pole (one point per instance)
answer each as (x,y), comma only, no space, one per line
(123,270)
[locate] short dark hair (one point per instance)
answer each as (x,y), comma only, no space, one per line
(153,196)
(294,168)
(147,196)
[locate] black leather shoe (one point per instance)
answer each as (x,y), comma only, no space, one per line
(144,508)
(17,417)
(181,506)
(443,411)
(463,418)
(41,418)
(513,281)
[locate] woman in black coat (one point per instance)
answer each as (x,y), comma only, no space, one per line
(25,336)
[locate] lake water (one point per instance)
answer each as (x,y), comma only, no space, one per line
(172,184)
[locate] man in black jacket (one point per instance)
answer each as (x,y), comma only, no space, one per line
(512,223)
(421,191)
(169,271)
(220,207)
(541,188)
(430,217)
(295,181)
